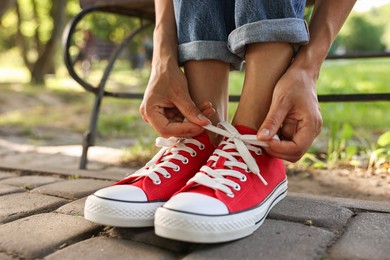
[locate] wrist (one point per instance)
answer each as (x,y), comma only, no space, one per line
(309,61)
(165,47)
(301,76)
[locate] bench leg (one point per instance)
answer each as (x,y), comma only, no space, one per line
(84,155)
(90,136)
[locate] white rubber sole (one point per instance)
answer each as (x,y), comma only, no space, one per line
(119,213)
(214,229)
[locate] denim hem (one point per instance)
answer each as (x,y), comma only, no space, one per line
(208,50)
(292,30)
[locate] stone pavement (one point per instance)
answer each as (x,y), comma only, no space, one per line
(41,216)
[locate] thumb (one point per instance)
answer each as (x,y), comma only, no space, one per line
(189,110)
(272,123)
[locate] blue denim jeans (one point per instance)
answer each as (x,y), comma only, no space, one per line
(221,29)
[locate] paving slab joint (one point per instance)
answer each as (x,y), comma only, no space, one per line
(338,234)
(357,211)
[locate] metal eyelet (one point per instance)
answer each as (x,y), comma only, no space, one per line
(248,170)
(177,169)
(185,161)
(259,152)
(167,176)
(193,154)
(237,187)
(243,178)
(202,146)
(158,182)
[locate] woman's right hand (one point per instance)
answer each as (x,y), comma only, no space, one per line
(167,104)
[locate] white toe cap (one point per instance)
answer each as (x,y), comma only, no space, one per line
(196,203)
(123,193)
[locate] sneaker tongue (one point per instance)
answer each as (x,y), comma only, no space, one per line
(244,130)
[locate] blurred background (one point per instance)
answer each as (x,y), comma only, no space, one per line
(42,109)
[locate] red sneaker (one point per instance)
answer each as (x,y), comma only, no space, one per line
(231,195)
(133,201)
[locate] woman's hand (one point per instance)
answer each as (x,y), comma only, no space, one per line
(294,115)
(167,104)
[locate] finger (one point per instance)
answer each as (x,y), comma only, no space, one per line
(271,150)
(167,128)
(210,112)
(291,150)
(207,109)
(190,111)
(272,122)
(145,119)
(173,113)
(289,129)
(205,105)
(182,129)
(142,112)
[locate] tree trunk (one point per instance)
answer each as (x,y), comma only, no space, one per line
(21,40)
(46,59)
(5,5)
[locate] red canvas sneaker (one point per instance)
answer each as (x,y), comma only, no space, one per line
(133,201)
(231,195)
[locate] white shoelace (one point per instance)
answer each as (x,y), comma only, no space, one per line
(170,150)
(242,144)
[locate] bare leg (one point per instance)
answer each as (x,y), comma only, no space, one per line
(265,64)
(208,80)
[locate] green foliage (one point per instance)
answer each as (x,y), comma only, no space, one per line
(368,31)
(341,146)
(380,155)
(362,35)
(111,28)
(8,30)
(348,147)
(36,22)
(384,140)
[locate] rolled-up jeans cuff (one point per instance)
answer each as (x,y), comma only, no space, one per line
(291,30)
(208,50)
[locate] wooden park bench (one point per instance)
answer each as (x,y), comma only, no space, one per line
(144,10)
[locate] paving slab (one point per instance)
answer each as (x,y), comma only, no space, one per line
(346,202)
(147,236)
(321,214)
(273,240)
(7,189)
(72,189)
(110,248)
(74,208)
(5,175)
(30,182)
(39,235)
(18,205)
(6,257)
(108,173)
(367,237)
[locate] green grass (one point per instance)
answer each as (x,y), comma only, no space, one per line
(356,76)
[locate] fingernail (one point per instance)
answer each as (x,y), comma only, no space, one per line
(202,117)
(263,133)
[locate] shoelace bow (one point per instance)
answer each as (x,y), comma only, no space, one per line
(241,144)
(170,148)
